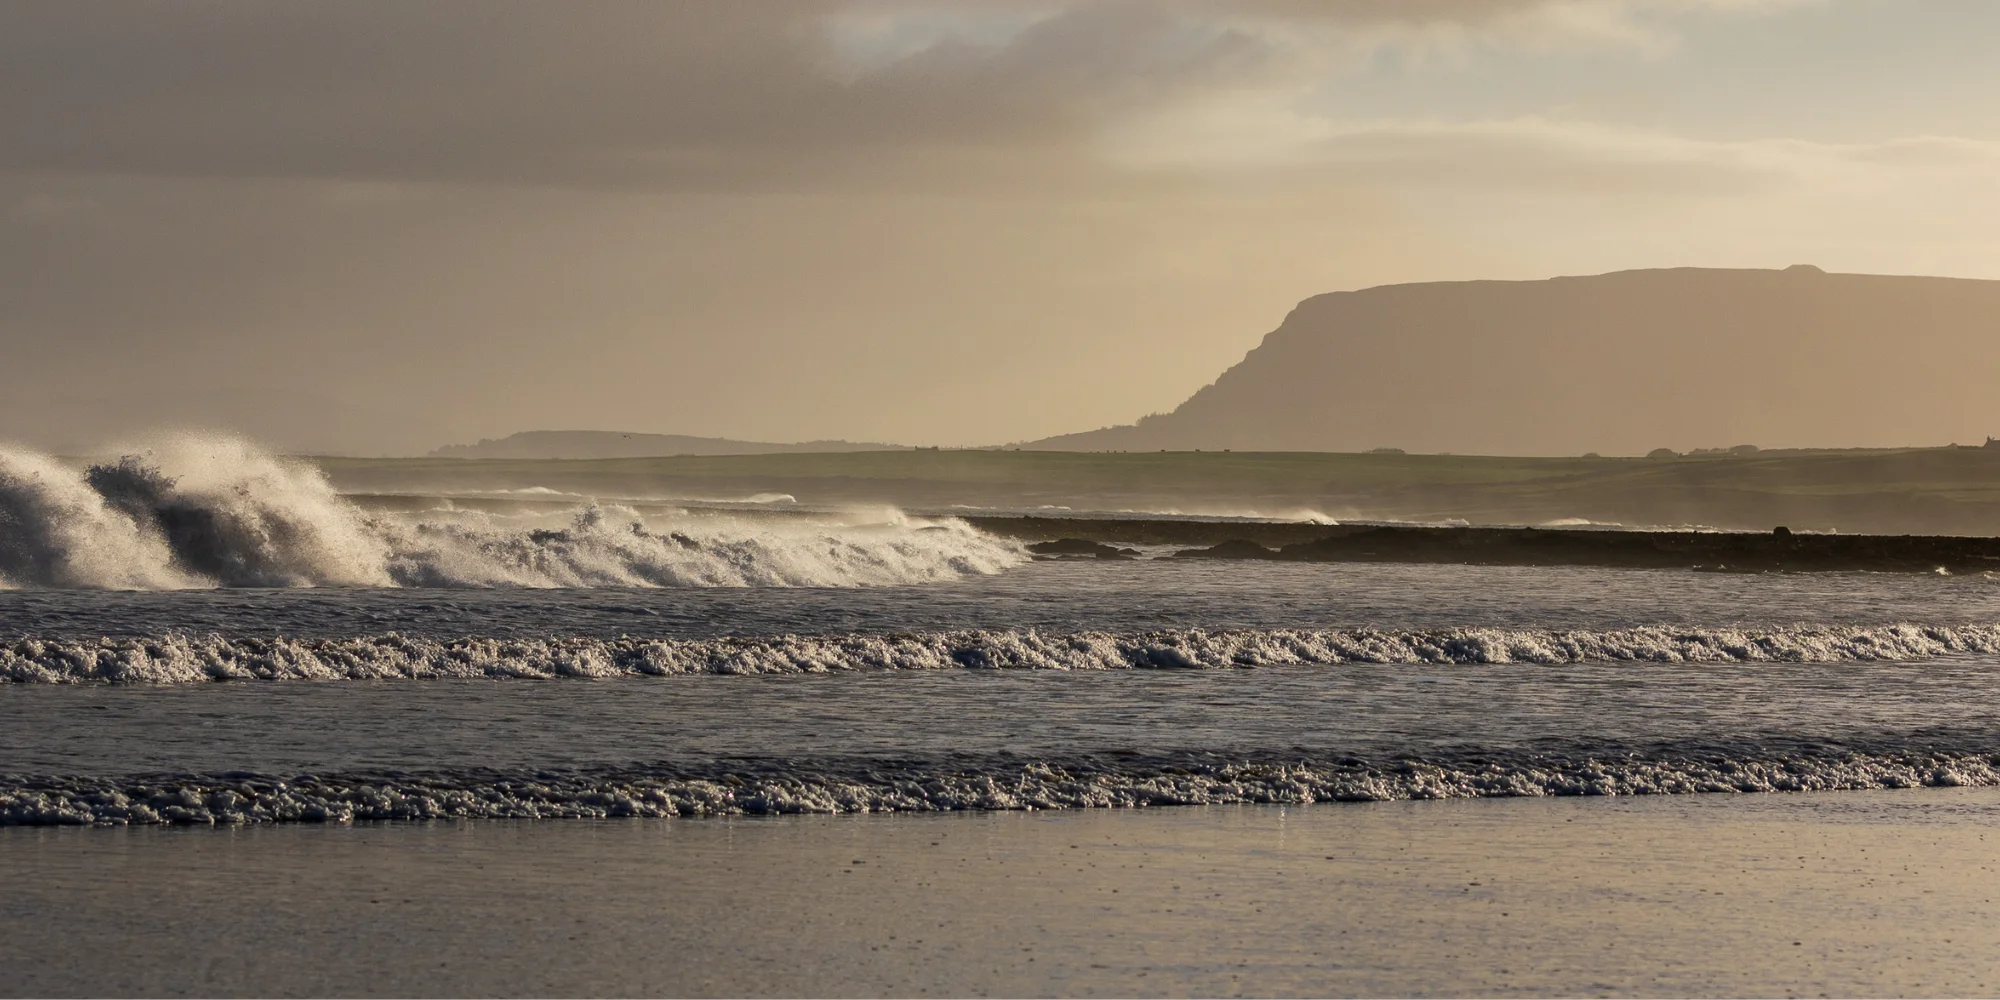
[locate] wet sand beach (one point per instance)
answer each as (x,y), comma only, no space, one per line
(1855,893)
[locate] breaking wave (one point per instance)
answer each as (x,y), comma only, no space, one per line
(204,512)
(1113,781)
(181,659)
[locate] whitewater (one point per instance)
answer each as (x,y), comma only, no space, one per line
(179,658)
(197,511)
(196,631)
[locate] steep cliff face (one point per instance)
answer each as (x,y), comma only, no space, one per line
(1617,363)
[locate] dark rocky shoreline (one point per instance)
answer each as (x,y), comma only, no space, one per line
(1778,550)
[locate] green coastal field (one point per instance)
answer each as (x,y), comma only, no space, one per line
(1919,490)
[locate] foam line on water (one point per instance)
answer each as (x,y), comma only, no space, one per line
(181,658)
(1189,779)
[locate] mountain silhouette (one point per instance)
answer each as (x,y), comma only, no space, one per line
(1618,363)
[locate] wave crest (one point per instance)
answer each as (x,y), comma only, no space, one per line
(198,511)
(56,531)
(181,659)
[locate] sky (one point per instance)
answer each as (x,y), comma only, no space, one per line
(379,227)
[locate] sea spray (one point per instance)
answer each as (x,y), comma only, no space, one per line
(203,511)
(56,531)
(241,517)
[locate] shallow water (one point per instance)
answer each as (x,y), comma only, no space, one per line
(1077,595)
(946,678)
(1052,684)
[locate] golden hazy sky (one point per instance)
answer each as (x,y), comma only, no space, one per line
(386,226)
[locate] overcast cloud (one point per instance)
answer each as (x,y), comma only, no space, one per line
(385,226)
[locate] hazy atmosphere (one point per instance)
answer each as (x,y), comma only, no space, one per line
(999,498)
(379,228)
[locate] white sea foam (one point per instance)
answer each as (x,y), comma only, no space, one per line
(528,492)
(1082,782)
(203,511)
(178,659)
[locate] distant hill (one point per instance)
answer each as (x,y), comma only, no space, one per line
(617,444)
(1617,363)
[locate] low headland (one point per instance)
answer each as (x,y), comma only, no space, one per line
(1909,491)
(1778,550)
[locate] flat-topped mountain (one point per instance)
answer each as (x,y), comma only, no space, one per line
(618,444)
(1616,363)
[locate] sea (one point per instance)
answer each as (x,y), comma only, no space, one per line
(212,663)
